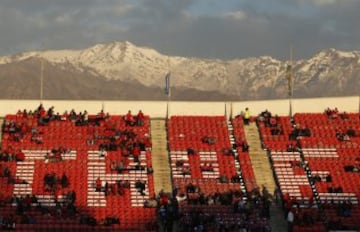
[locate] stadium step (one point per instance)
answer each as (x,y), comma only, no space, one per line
(237,163)
(259,159)
(160,158)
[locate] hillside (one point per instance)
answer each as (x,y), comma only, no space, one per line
(123,71)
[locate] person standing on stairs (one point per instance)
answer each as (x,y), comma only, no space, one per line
(246,116)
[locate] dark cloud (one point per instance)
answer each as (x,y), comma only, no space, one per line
(251,28)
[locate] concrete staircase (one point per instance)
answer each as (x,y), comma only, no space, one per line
(159,154)
(237,163)
(259,159)
(263,174)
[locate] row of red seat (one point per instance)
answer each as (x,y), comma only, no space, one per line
(323,152)
(75,138)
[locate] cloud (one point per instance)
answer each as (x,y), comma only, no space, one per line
(201,28)
(236,15)
(318,2)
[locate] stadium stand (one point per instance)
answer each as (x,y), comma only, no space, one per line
(81,171)
(81,148)
(309,162)
(207,174)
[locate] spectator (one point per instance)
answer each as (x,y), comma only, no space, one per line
(328,178)
(151,203)
(190,188)
(185,170)
(190,151)
(140,118)
(120,167)
(235,179)
(223,179)
(209,140)
(290,220)
(246,116)
(50,181)
(20,156)
(101,115)
(291,147)
(64,181)
(102,152)
(129,119)
(140,186)
(136,154)
(85,117)
(98,185)
(245,146)
(207,167)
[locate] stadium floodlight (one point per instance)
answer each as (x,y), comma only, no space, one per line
(290,80)
(168,92)
(41,80)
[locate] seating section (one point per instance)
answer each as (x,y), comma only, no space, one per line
(205,168)
(290,174)
(314,157)
(105,158)
(332,153)
(194,158)
(90,147)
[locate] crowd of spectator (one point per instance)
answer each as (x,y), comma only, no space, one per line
(53,183)
(5,172)
(27,206)
(191,210)
(114,189)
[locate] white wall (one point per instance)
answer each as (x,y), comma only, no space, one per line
(197,108)
(348,104)
(159,109)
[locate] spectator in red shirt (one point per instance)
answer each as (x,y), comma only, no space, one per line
(136,154)
(24,128)
(207,167)
(98,185)
(140,118)
(19,114)
(100,115)
(27,202)
(42,112)
(164,199)
(129,119)
(20,156)
(57,157)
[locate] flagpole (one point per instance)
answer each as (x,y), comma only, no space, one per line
(41,80)
(291,82)
(168,93)
(168,104)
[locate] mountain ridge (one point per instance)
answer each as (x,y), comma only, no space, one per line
(248,79)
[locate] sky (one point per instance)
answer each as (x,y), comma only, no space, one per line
(224,29)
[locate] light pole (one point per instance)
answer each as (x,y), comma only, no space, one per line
(290,79)
(41,80)
(168,93)
(42,67)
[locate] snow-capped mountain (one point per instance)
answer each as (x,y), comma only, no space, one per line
(328,73)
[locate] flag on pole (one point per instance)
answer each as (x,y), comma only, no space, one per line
(167,84)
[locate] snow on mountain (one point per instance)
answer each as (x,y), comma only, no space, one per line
(255,77)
